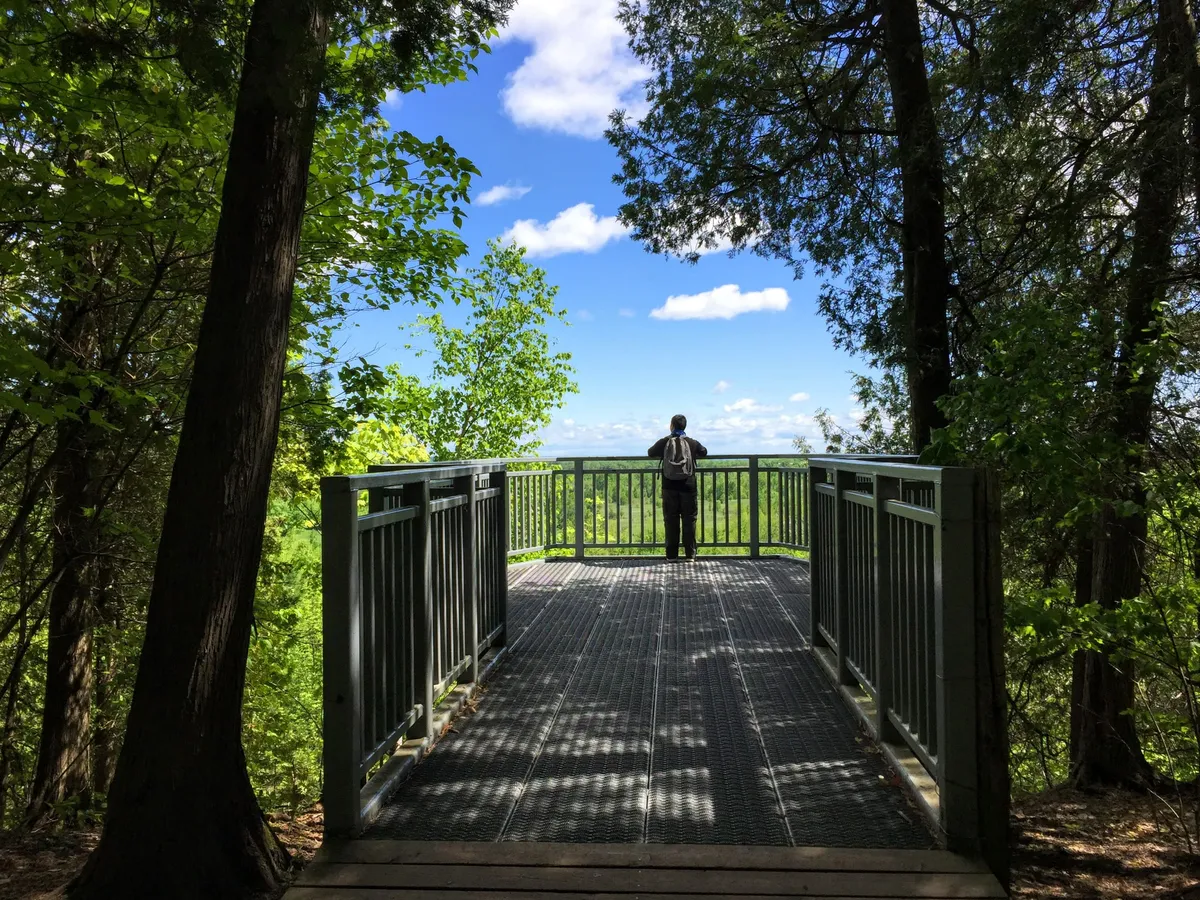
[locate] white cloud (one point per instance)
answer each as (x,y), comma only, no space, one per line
(502,192)
(754,433)
(720,244)
(626,313)
(569,436)
(799,398)
(748,405)
(721,386)
(723,302)
(578,71)
(574,230)
(584,316)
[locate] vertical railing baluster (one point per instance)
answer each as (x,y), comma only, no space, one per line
(753,504)
(366,548)
(805,510)
(883,490)
(842,481)
(396,708)
(618,505)
(816,565)
(579,509)
(641,507)
(770,475)
(383,725)
(466,485)
(928,638)
(715,521)
(500,562)
(902,627)
(417,494)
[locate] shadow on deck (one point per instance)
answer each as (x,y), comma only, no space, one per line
(647,712)
(648,702)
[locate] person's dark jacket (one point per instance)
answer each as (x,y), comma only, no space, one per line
(670,484)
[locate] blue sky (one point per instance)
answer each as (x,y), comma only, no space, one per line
(650,335)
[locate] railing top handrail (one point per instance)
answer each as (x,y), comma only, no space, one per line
(442,463)
(711,456)
(893,469)
(394,477)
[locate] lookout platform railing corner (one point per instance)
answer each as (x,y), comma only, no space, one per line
(906,601)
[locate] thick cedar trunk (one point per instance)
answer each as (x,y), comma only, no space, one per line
(926,273)
(183,821)
(1107,750)
(63,764)
(105,738)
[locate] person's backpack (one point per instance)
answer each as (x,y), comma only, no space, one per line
(678,464)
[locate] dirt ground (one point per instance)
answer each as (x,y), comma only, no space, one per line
(35,866)
(1112,846)
(1067,846)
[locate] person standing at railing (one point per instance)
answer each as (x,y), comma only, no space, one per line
(679,454)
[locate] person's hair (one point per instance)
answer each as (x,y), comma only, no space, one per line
(678,423)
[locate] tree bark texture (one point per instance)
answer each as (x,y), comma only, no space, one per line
(1108,750)
(63,771)
(926,273)
(183,820)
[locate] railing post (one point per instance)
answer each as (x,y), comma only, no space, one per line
(466,485)
(816,549)
(417,494)
(842,481)
(995,789)
(500,479)
(954,631)
(341,627)
(883,489)
(579,509)
(754,548)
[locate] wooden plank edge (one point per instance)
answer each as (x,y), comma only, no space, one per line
(325,893)
(698,882)
(352,893)
(649,856)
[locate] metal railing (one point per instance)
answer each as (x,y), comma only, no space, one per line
(614,503)
(899,598)
(414,594)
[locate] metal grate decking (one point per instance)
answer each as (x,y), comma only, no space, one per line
(646,702)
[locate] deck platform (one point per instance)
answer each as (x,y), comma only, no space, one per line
(658,730)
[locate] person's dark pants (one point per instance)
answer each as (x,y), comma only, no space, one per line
(680,507)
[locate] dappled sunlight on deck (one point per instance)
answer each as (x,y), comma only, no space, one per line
(647,702)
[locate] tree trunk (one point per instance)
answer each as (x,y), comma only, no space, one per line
(1084,573)
(1108,750)
(105,734)
(183,821)
(926,273)
(62,773)
(8,739)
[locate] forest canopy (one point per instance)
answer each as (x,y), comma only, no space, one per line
(1001,201)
